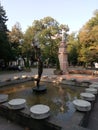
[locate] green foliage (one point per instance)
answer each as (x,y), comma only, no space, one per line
(82,48)
(88,39)
(5,49)
(43,30)
(15,35)
(72,49)
(15,38)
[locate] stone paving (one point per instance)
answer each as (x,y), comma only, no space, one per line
(8,125)
(93,120)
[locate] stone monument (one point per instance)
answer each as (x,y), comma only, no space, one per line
(62,54)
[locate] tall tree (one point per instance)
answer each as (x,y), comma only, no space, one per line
(4,42)
(72,48)
(15,38)
(46,31)
(88,38)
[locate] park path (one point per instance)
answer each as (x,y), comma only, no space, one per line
(4,76)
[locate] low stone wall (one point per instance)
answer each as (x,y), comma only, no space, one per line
(23,118)
(74,82)
(77,122)
(88,72)
(11,82)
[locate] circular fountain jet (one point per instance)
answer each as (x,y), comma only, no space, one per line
(40,111)
(17,103)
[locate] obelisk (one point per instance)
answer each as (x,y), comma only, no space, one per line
(62,54)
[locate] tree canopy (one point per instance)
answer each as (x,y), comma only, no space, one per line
(88,39)
(4,41)
(82,47)
(46,31)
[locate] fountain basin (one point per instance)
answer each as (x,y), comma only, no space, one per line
(3,97)
(82,105)
(87,96)
(17,103)
(56,97)
(94,86)
(40,111)
(91,90)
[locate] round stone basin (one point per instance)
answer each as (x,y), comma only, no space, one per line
(40,111)
(94,86)
(17,103)
(82,105)
(91,90)
(3,97)
(95,83)
(87,96)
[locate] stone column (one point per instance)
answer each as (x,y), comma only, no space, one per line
(63,57)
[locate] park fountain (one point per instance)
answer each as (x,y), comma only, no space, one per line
(55,105)
(40,111)
(51,110)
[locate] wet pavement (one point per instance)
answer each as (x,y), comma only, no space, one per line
(8,125)
(93,119)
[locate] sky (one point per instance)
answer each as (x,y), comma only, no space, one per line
(74,13)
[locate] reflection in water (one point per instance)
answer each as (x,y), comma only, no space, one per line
(58,97)
(61,92)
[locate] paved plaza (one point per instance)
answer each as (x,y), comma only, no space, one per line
(93,120)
